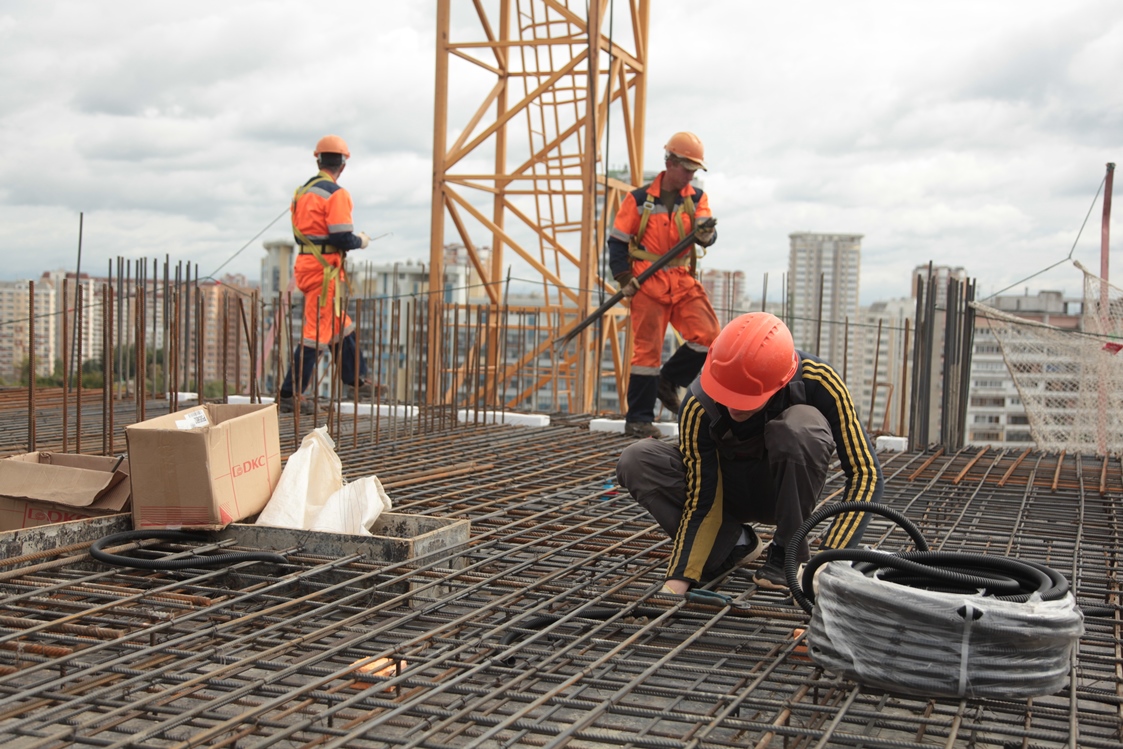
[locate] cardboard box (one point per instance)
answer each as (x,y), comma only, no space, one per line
(204,467)
(43,487)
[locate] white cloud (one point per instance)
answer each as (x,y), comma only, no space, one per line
(965,133)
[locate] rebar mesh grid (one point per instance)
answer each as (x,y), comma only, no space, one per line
(546,630)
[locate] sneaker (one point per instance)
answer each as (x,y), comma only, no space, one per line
(771,573)
(287,404)
(740,555)
(641,429)
(668,395)
(366,389)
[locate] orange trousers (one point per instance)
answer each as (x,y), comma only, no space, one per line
(321,325)
(670,296)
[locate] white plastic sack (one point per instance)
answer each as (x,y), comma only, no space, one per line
(354,508)
(312,474)
(311,494)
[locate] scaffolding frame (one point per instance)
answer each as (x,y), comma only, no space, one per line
(564,70)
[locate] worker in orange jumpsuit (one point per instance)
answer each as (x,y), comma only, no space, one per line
(652,220)
(322,226)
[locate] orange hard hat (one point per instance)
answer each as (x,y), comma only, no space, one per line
(687,146)
(332,144)
(749,361)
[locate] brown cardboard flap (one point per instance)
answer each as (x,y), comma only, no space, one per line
(44,482)
(70,460)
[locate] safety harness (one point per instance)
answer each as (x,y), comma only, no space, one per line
(635,248)
(331,272)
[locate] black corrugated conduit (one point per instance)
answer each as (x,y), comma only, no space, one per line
(98,552)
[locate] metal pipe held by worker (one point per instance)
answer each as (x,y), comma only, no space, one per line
(703,223)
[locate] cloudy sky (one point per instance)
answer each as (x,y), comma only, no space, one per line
(962,132)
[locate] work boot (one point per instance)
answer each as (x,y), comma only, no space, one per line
(740,555)
(366,390)
(771,574)
(641,429)
(287,404)
(668,395)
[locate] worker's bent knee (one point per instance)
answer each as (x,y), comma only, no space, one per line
(647,462)
(800,433)
(630,465)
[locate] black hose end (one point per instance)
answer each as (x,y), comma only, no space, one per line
(98,552)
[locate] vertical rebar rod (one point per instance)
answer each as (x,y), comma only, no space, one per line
(80,341)
(31,366)
(174,339)
(902,412)
(108,439)
(188,312)
(819,316)
(355,374)
(141,339)
(949,369)
(1105,311)
(167,306)
(966,351)
(154,289)
(200,336)
(66,368)
(873,386)
(223,299)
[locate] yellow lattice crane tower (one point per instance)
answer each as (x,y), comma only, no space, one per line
(519,179)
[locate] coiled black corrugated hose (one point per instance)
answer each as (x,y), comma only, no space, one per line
(97,551)
(1002,577)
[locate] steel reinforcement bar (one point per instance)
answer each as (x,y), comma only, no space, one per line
(546,629)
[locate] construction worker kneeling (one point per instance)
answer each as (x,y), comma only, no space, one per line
(757,432)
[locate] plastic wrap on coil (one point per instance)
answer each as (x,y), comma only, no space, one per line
(936,644)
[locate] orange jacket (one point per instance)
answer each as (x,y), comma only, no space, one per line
(321,212)
(663,229)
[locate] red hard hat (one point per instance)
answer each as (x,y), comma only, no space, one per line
(749,361)
(687,146)
(332,144)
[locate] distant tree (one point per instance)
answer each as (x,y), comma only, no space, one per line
(40,380)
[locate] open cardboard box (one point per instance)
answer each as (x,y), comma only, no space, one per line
(204,467)
(44,487)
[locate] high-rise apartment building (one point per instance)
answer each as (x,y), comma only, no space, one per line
(942,274)
(85,313)
(726,289)
(823,290)
(276,268)
(19,317)
(229,325)
(880,359)
(995,414)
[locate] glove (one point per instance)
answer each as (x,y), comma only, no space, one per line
(365,240)
(628,284)
(704,230)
